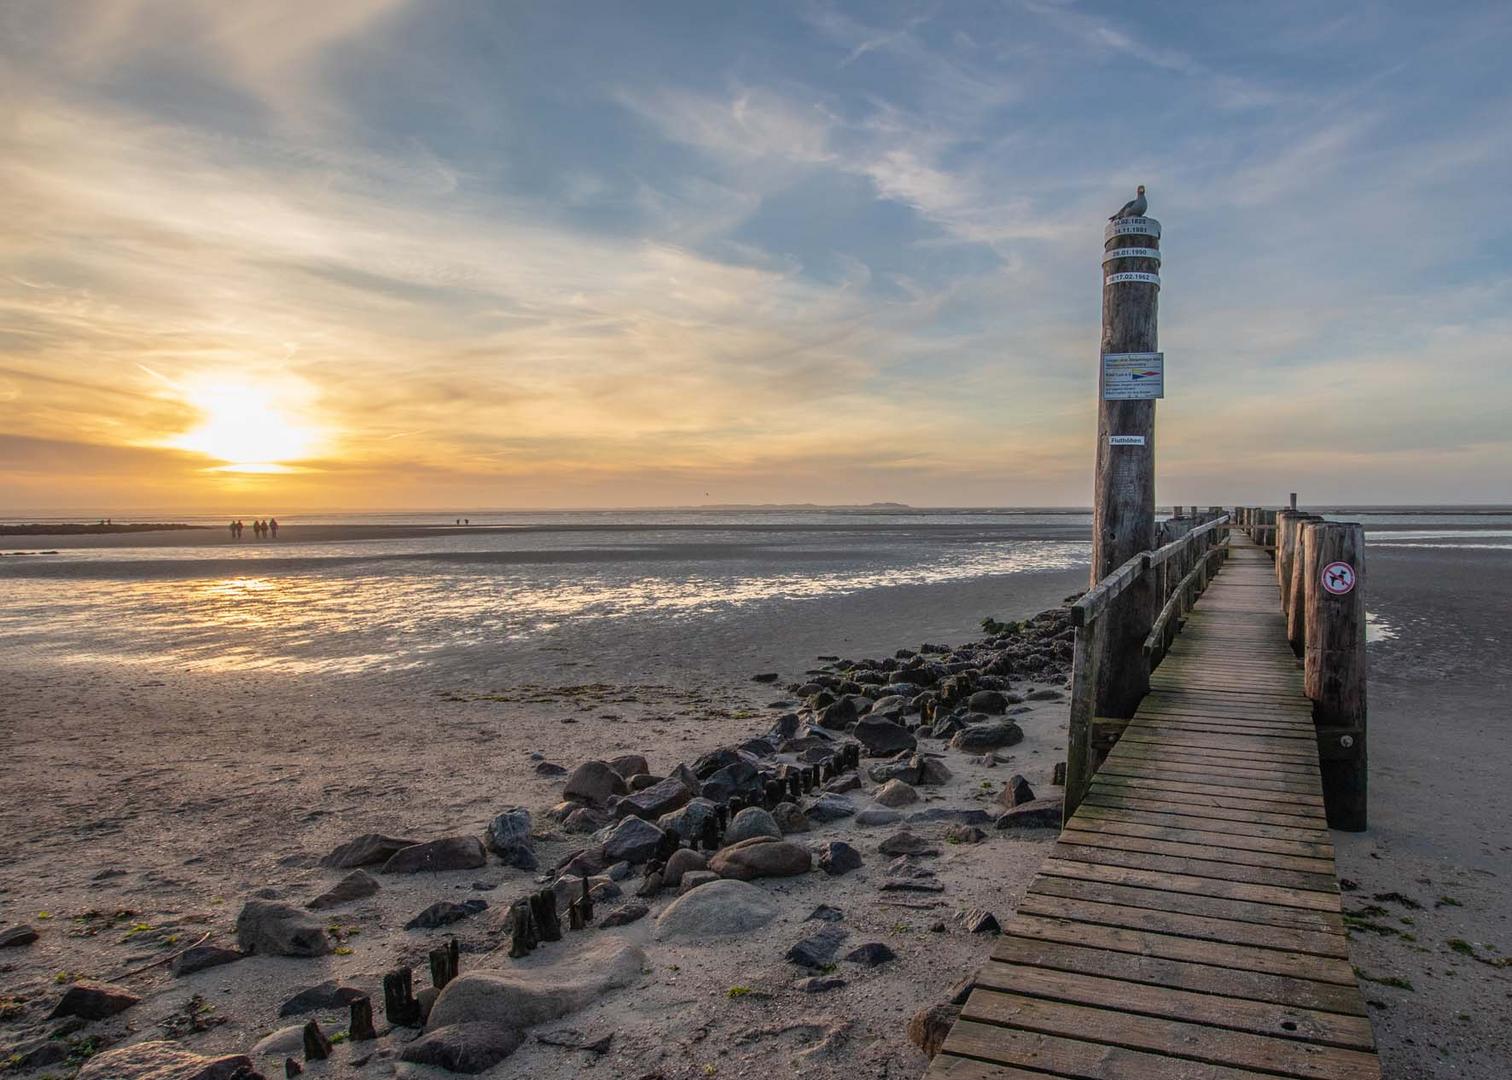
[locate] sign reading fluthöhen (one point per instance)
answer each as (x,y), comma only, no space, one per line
(1133,376)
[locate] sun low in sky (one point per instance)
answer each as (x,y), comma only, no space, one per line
(403,253)
(245,428)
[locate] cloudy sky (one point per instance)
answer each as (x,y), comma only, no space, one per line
(377,253)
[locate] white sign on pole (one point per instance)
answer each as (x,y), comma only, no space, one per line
(1126,440)
(1132,275)
(1132,253)
(1133,376)
(1132,226)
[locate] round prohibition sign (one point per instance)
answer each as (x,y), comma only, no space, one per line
(1338,578)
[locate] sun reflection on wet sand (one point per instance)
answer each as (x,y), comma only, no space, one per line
(352,616)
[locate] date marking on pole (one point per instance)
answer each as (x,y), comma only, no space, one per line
(1338,579)
(1134,376)
(1126,440)
(1132,275)
(1132,226)
(1131,253)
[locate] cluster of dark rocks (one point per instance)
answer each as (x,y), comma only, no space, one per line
(723,817)
(964,695)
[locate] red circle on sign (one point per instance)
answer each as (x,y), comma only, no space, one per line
(1338,578)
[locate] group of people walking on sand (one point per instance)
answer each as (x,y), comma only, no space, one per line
(260,529)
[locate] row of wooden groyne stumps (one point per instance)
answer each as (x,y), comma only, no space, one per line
(534,919)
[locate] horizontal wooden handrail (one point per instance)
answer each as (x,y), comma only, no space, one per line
(1174,548)
(1097,599)
(1153,643)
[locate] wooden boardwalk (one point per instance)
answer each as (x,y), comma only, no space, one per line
(1187,923)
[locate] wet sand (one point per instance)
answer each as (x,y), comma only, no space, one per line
(1440,816)
(174,795)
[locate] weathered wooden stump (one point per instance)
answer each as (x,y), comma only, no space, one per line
(316,1046)
(399,1004)
(360,1024)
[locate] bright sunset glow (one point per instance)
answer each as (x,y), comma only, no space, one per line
(243,426)
(839,252)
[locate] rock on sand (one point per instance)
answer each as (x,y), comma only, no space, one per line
(274,929)
(717,909)
(521,997)
(163,1061)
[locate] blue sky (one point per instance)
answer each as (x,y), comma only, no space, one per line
(634,254)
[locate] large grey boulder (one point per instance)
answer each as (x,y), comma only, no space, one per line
(689,821)
(568,889)
(1036,813)
(357,885)
(878,815)
(652,802)
(760,857)
(988,701)
(90,1000)
(203,957)
(522,996)
(988,736)
(752,821)
(327,995)
(628,765)
(896,793)
(508,837)
(683,861)
(1015,793)
(883,737)
(739,777)
(464,1048)
(836,857)
(818,949)
(159,1060)
(436,856)
(790,818)
(369,849)
(632,840)
(718,909)
(273,929)
(594,782)
(830,807)
(17,935)
(281,1043)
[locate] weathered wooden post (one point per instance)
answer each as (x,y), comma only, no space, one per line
(1296,613)
(1130,380)
(1334,666)
(1285,519)
(1085,658)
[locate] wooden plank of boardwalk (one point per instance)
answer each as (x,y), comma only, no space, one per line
(1187,924)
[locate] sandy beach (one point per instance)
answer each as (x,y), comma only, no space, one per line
(146,803)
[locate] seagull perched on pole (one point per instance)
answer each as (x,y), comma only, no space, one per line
(1135,207)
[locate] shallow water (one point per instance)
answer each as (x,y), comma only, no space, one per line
(358,600)
(356,604)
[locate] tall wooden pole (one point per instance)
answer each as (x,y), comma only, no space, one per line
(1334,666)
(1123,507)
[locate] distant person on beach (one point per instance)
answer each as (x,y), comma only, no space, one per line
(273,527)
(231,528)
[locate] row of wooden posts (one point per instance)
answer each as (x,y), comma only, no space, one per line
(1325,625)
(1320,569)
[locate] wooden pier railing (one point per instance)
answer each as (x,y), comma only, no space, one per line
(1180,571)
(1187,923)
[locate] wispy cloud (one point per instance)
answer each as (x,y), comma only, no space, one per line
(830,256)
